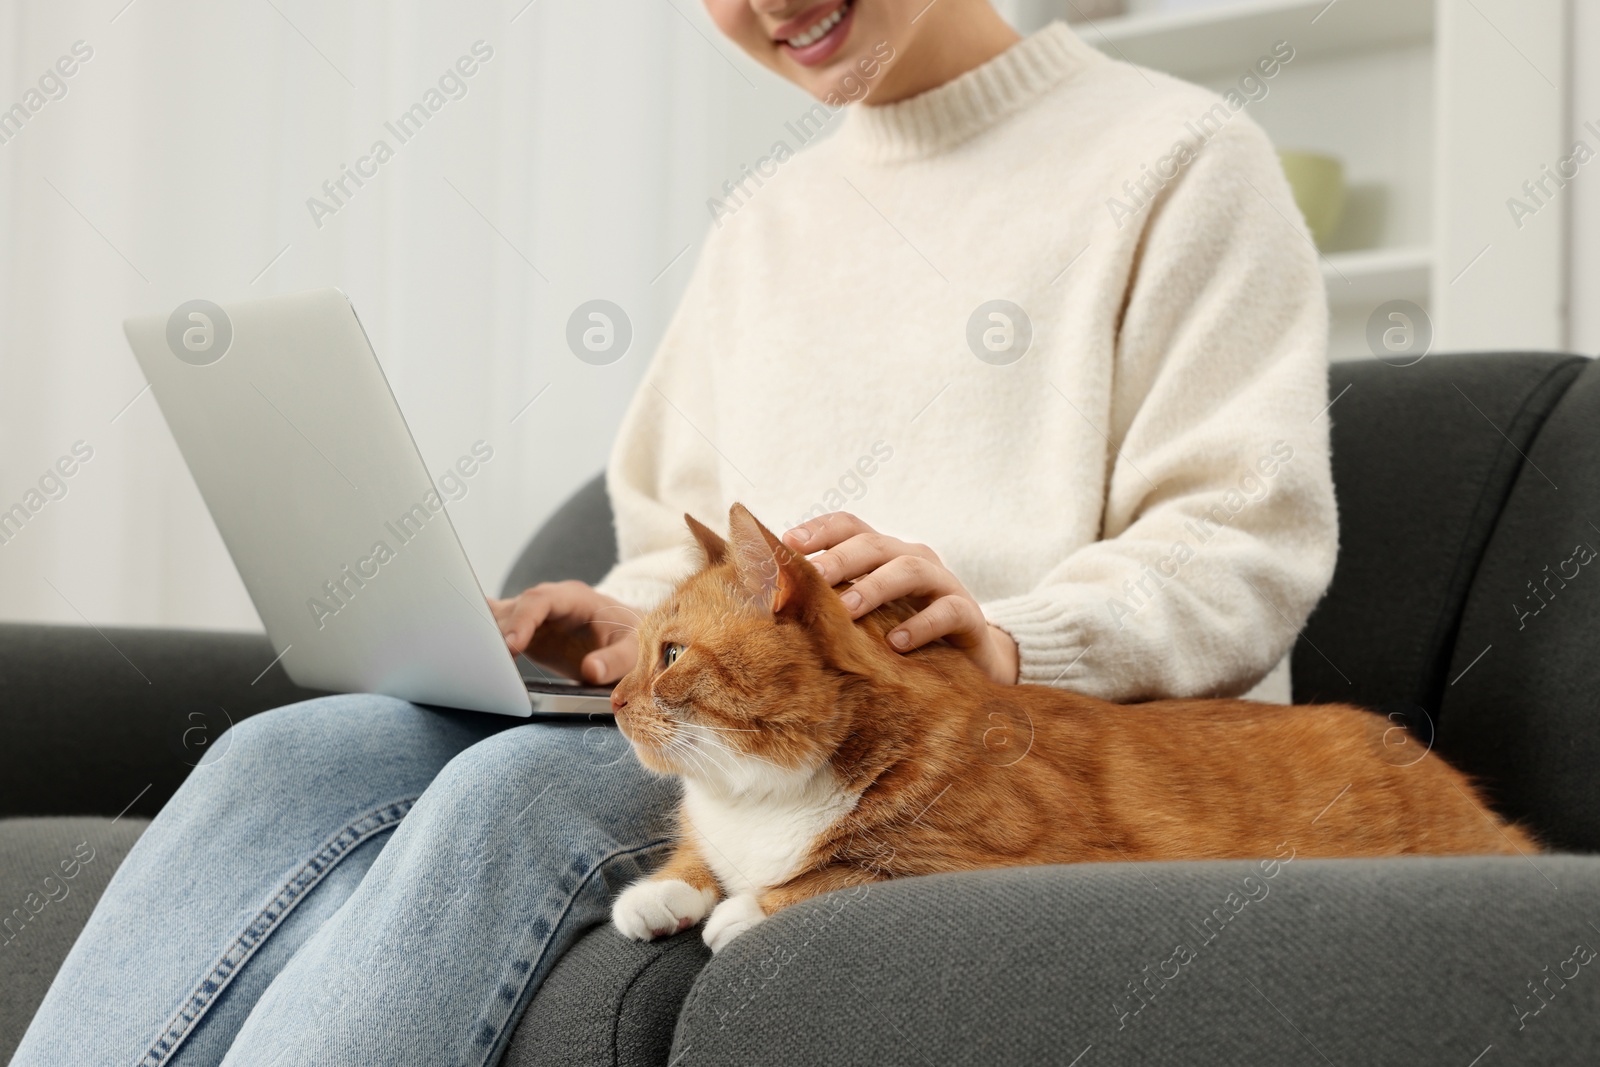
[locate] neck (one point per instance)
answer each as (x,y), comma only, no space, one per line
(950,38)
(882,729)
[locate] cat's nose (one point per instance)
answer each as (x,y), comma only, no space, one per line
(617,700)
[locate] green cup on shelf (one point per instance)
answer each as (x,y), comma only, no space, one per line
(1318,184)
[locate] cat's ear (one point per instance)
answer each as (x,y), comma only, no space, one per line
(715,548)
(771,573)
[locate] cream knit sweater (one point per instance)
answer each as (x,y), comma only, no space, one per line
(1143,498)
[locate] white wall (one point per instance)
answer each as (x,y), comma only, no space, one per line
(178,165)
(1584,248)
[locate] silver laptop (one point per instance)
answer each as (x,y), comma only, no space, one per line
(298,446)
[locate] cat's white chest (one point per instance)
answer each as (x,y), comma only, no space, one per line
(755,843)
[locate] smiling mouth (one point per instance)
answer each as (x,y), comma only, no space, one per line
(821,37)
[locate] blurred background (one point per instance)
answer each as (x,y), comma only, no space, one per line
(1434,143)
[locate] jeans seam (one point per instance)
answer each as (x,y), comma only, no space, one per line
(517,1010)
(282,902)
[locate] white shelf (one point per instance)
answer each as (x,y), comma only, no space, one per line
(1440,109)
(1373,276)
(1230,37)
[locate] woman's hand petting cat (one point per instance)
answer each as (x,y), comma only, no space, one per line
(885,568)
(569,626)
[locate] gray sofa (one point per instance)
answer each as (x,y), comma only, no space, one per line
(1460,606)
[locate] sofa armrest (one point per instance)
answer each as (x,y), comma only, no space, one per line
(1395,961)
(96,718)
(52,873)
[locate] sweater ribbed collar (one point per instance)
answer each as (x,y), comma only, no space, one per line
(948,114)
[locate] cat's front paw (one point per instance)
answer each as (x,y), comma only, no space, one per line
(731,918)
(657,907)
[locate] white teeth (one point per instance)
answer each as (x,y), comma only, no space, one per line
(819,31)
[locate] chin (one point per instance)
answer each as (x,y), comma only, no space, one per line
(655,760)
(650,755)
(657,763)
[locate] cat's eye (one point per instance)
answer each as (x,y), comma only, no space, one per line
(670,654)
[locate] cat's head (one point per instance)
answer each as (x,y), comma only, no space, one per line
(742,669)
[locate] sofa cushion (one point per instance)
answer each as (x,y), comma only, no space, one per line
(1401,961)
(609,1002)
(51,873)
(1423,460)
(1520,706)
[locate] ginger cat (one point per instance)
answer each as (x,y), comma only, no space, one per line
(815,758)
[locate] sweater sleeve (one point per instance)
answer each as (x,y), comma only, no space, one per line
(1220,529)
(663,461)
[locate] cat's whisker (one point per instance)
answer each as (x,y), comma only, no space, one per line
(740,753)
(703,765)
(671,745)
(710,756)
(677,737)
(736,755)
(714,731)
(697,758)
(685,724)
(714,751)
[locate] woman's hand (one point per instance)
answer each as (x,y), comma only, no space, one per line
(570,627)
(886,568)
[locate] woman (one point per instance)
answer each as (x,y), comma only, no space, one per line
(1052,314)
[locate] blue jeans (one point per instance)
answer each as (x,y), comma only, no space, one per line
(355,880)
